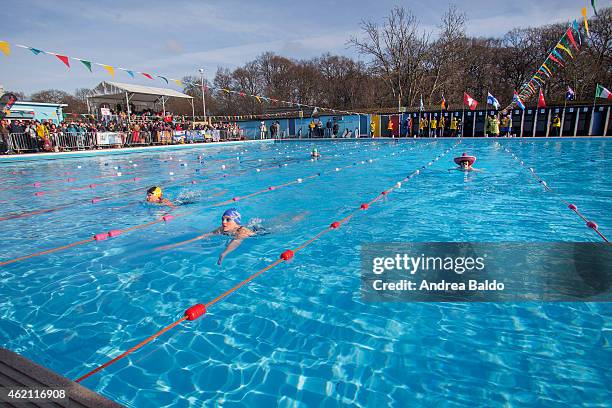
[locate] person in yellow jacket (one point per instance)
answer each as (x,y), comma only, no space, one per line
(390,128)
(556,125)
(433,124)
(372,128)
(441,124)
(311,127)
(423,125)
(494,126)
(453,126)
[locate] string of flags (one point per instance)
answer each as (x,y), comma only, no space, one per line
(5,48)
(565,50)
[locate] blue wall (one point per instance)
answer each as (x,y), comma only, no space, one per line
(291,127)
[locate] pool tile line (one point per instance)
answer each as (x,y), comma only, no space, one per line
(589,223)
(198,310)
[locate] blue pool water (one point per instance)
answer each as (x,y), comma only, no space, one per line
(300,335)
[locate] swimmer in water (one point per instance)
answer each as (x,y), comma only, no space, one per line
(315,153)
(155,196)
(465,163)
(230,226)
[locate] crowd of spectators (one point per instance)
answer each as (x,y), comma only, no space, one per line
(143,128)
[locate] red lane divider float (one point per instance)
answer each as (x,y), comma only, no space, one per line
(589,223)
(103,236)
(199,309)
(138,191)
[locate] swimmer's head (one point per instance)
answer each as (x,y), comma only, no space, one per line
(464,164)
(154,193)
(229,216)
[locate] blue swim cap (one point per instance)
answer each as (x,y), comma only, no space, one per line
(233,214)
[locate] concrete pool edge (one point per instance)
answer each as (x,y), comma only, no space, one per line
(127,150)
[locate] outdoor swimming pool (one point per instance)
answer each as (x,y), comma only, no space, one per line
(299,334)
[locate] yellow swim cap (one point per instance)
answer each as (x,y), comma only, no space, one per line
(155,191)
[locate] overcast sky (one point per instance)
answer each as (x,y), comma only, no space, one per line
(175,38)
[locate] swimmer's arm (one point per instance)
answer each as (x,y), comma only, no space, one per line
(235,243)
(167,202)
(199,237)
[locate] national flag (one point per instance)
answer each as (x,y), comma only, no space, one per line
(491,100)
(602,92)
(570,95)
(518,101)
(469,101)
(541,100)
(443,103)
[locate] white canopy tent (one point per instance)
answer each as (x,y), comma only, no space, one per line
(112,94)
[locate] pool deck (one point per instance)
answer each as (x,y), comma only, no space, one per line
(127,150)
(17,372)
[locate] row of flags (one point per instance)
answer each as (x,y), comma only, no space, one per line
(5,48)
(570,95)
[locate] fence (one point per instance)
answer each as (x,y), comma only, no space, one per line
(65,141)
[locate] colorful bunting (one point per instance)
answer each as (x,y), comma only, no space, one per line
(130,73)
(556,60)
(178,82)
(35,51)
(147,75)
(164,78)
(586,23)
(5,47)
(577,30)
(64,59)
(571,38)
(87,64)
(547,69)
(564,48)
(109,69)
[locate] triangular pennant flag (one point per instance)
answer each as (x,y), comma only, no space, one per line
(5,47)
(546,68)
(554,59)
(35,51)
(130,73)
(258,98)
(242,94)
(564,48)
(225,90)
(571,38)
(178,82)
(542,70)
(110,70)
(87,64)
(586,22)
(164,78)
(577,30)
(147,75)
(64,59)
(556,54)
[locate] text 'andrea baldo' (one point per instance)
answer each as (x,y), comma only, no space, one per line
(412,265)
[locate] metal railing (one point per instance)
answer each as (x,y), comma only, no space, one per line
(66,141)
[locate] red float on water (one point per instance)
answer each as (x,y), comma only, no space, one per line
(335,224)
(287,255)
(101,236)
(195,311)
(114,233)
